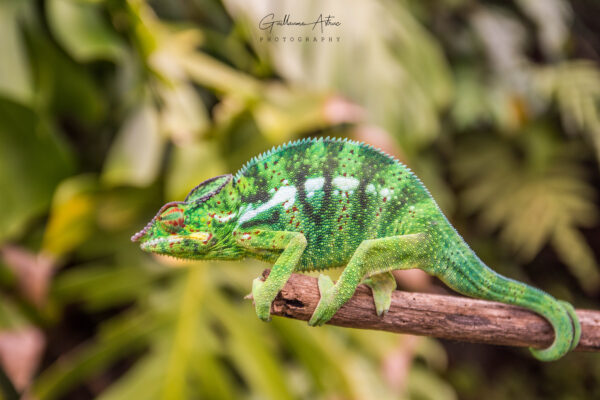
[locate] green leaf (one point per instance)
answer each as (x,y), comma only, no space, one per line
(317,352)
(178,361)
(538,198)
(575,85)
(79,26)
(15,78)
(249,350)
(423,384)
(64,89)
(71,215)
(95,356)
(141,382)
(572,248)
(101,286)
(32,161)
(136,153)
(190,165)
(183,116)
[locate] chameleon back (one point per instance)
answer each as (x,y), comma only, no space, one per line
(337,193)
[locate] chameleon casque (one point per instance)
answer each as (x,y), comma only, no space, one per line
(317,204)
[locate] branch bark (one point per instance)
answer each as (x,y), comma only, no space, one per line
(447,317)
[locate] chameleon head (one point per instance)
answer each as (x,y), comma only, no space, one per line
(173,231)
(197,228)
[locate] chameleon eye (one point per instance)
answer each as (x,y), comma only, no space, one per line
(172,219)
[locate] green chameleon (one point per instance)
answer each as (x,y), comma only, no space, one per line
(317,204)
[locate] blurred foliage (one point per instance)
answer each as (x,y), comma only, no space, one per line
(109,108)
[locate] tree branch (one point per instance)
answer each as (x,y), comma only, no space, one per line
(447,317)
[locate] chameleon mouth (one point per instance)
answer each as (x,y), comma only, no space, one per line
(203,237)
(152,244)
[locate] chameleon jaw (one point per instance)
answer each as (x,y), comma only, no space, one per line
(152,244)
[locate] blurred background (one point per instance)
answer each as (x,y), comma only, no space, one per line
(110,108)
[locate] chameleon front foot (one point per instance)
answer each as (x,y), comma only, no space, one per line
(262,304)
(325,309)
(382,285)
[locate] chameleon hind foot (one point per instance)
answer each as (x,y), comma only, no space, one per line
(325,309)
(382,285)
(262,304)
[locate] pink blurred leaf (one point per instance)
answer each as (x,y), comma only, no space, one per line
(33,271)
(20,354)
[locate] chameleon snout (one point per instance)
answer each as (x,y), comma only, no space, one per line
(141,233)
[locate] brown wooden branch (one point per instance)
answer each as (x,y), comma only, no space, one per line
(447,317)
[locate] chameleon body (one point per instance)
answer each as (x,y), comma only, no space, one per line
(317,204)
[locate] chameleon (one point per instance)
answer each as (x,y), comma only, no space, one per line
(322,203)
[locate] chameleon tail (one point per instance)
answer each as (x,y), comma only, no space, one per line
(473,278)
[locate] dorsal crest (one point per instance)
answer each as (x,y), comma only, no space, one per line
(208,188)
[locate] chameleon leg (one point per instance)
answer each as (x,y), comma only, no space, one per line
(382,285)
(293,245)
(372,257)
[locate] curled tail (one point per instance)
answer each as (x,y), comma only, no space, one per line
(470,276)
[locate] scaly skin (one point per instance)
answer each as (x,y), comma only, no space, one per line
(318,204)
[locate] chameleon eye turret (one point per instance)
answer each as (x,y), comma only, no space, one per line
(317,204)
(172,219)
